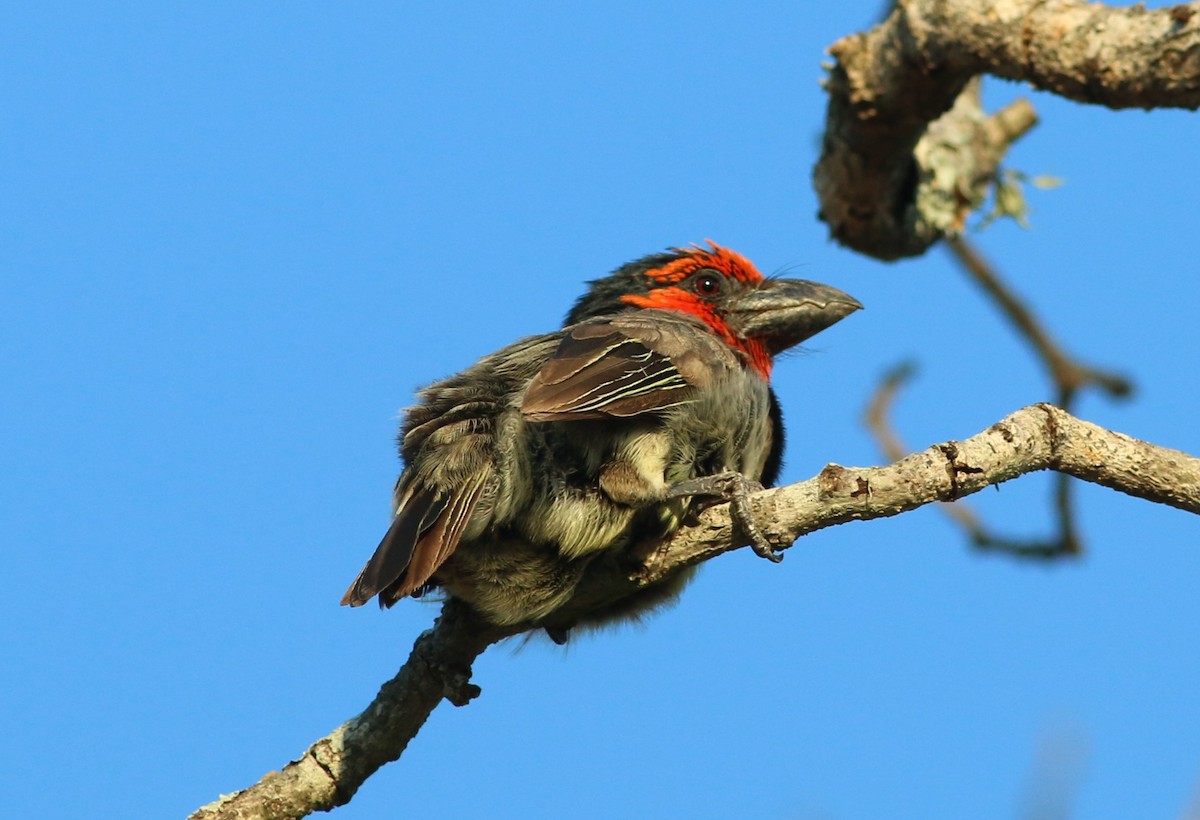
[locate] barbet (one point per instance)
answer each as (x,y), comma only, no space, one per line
(655,396)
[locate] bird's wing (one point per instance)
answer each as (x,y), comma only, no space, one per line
(621,366)
(426,529)
(416,515)
(434,545)
(449,445)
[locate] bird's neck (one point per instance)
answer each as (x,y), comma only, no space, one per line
(753,351)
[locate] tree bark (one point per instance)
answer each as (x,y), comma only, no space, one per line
(1039,437)
(893,178)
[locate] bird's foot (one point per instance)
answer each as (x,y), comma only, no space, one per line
(735,488)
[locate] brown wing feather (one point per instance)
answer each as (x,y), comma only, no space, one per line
(602,370)
(419,510)
(436,545)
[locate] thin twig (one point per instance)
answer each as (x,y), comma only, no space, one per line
(1069,376)
(878,421)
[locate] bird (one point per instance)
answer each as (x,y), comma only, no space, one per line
(653,399)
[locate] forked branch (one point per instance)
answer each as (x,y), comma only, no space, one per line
(1039,437)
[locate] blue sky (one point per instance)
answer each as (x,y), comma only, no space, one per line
(238,237)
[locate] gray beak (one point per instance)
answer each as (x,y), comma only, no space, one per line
(785,312)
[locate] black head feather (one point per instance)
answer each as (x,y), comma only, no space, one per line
(603,296)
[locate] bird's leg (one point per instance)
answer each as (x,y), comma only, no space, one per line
(735,488)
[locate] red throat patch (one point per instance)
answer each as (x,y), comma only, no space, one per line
(668,296)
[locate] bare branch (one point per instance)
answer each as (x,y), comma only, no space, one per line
(1039,437)
(879,411)
(878,422)
(1069,375)
(329,773)
(882,194)
(1055,779)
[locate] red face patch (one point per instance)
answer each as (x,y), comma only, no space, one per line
(668,296)
(723,260)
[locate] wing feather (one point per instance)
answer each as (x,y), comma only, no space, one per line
(418,511)
(602,370)
(436,545)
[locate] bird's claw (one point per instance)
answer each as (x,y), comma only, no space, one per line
(764,549)
(559,634)
(736,489)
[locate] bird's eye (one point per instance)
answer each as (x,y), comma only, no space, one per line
(707,284)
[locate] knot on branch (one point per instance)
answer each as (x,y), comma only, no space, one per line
(439,651)
(836,481)
(955,468)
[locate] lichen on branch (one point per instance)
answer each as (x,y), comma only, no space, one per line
(907,149)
